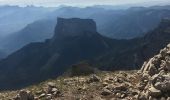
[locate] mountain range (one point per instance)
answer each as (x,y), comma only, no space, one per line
(11,17)
(76,40)
(118,24)
(137,51)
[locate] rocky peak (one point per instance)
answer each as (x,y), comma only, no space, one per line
(155,83)
(74,27)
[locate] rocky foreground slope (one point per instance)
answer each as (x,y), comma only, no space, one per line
(152,82)
(101,86)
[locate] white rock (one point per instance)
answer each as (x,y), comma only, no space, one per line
(154,92)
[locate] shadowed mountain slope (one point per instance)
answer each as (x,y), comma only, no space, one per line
(77,40)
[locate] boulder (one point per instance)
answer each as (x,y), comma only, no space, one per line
(142,96)
(168,65)
(51,84)
(154,92)
(104,84)
(42,96)
(121,87)
(158,69)
(24,95)
(168,98)
(94,78)
(164,83)
(106,92)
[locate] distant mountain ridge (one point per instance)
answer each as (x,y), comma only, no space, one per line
(42,60)
(14,18)
(35,32)
(117,24)
(135,23)
(133,56)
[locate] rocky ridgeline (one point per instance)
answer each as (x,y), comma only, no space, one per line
(155,81)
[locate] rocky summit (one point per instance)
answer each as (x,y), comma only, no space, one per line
(155,82)
(151,82)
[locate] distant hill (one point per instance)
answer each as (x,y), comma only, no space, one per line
(34,32)
(14,18)
(133,56)
(135,23)
(120,23)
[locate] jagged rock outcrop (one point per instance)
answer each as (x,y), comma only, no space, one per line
(156,76)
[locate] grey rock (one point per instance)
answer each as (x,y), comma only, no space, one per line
(164,84)
(106,92)
(17,97)
(94,78)
(154,92)
(121,87)
(51,84)
(152,70)
(168,98)
(142,96)
(54,90)
(42,96)
(168,65)
(24,95)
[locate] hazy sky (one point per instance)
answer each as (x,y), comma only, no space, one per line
(81,2)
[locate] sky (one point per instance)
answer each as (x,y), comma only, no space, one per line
(82,2)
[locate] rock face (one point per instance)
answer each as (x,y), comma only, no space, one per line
(157,71)
(74,27)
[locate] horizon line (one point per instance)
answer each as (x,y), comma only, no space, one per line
(82,6)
